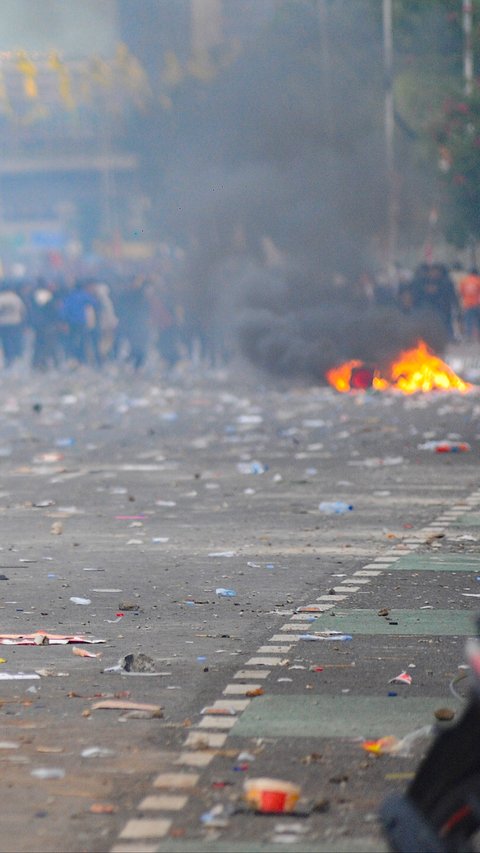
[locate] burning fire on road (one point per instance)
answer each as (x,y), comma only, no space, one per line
(415,370)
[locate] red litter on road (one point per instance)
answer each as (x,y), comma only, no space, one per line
(42,638)
(403,678)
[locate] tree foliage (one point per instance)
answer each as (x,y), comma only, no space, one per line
(430,95)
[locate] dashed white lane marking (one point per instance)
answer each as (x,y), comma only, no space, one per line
(196,759)
(213,722)
(280,650)
(361,580)
(252,673)
(382,560)
(294,638)
(305,617)
(239,689)
(200,740)
(234,704)
(370,573)
(182,781)
(163,802)
(331,597)
(399,550)
(145,828)
(212,731)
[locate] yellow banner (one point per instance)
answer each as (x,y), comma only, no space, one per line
(29,71)
(64,80)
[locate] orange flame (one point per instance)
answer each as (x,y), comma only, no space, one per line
(416,369)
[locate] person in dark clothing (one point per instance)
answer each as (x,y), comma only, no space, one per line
(406,298)
(133,312)
(79,309)
(44,321)
(12,318)
(418,282)
(434,290)
(384,293)
(163,312)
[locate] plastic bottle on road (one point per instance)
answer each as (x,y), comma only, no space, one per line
(446,446)
(334,507)
(452,447)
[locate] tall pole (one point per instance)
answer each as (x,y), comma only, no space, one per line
(326,66)
(467,23)
(467,45)
(389,119)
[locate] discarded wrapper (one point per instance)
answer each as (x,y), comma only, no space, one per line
(103,808)
(123,705)
(403,678)
(272,796)
(41,638)
(255,691)
(391,745)
(17,676)
(327,635)
(388,744)
(83,653)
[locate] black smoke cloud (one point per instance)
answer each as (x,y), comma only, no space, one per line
(302,341)
(286,150)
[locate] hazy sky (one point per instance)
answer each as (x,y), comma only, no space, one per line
(74,27)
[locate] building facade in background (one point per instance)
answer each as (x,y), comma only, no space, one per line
(76,80)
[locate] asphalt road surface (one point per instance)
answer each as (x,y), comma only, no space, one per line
(126,504)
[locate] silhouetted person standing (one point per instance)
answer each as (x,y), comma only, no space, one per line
(12,316)
(133,311)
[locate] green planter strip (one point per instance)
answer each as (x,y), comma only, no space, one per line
(404,622)
(342,716)
(434,563)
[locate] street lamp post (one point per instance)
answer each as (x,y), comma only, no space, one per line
(467,13)
(467,26)
(389,120)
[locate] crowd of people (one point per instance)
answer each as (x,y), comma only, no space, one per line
(453,295)
(53,322)
(89,321)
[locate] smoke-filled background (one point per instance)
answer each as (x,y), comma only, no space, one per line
(280,184)
(248,132)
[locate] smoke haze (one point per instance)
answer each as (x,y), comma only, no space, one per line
(280,186)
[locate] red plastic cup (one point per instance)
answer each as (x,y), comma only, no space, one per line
(271,796)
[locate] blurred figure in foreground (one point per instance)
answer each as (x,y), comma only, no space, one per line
(12,316)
